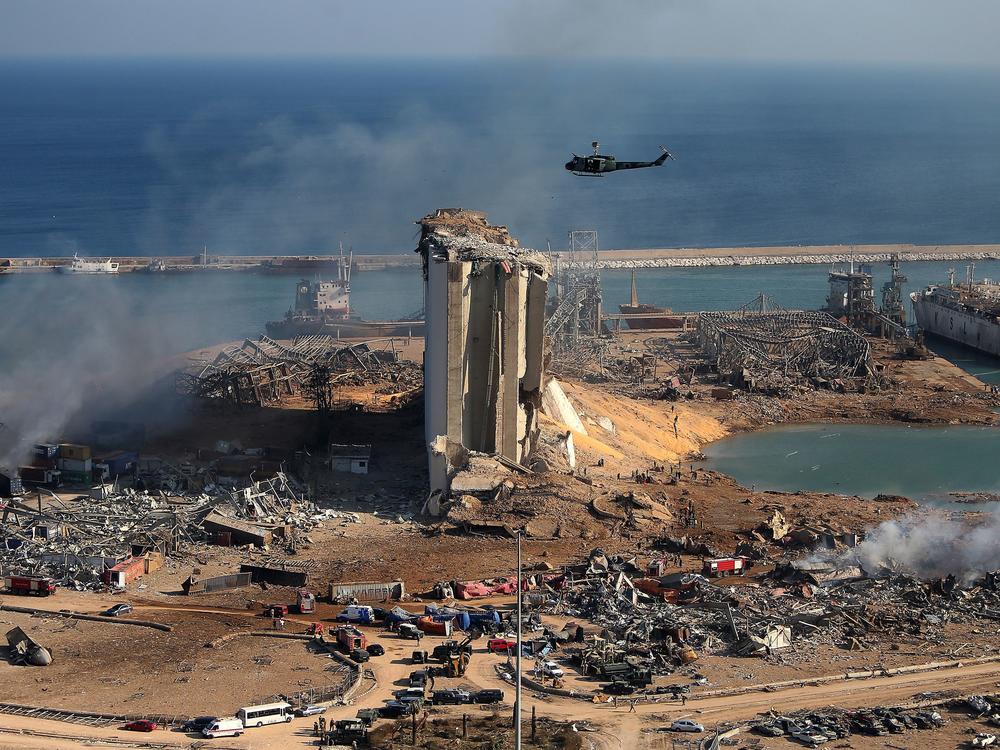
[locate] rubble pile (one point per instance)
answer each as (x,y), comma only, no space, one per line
(668,621)
(75,541)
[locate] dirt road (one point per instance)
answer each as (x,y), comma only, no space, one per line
(710,710)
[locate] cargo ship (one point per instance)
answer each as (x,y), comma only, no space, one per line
(668,319)
(324,307)
(968,314)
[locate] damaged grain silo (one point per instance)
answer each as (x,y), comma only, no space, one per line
(483,362)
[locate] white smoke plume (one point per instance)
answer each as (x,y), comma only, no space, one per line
(72,350)
(932,547)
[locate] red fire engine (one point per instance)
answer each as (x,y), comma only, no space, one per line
(725,566)
(29,585)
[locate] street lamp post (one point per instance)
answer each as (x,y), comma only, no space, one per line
(517,669)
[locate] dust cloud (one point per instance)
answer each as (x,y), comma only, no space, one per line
(72,350)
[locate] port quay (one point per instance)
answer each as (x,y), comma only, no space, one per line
(611,259)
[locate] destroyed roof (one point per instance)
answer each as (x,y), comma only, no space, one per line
(458,234)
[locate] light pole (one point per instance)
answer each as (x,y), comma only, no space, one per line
(517,667)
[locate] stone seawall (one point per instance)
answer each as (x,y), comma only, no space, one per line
(779,260)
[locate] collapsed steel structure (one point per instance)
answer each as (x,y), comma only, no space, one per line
(767,346)
(263,371)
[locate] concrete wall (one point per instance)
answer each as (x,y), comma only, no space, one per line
(483,355)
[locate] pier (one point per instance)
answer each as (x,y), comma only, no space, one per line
(610,259)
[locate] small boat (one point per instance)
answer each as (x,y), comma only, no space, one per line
(89,266)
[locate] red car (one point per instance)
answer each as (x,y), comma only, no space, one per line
(500,645)
(142,725)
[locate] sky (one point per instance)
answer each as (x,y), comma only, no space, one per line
(957,32)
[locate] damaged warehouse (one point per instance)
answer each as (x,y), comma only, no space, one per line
(763,346)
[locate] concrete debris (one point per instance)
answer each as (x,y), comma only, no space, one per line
(661,624)
(76,541)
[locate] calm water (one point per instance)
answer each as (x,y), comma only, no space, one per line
(162,158)
(199,309)
(922,463)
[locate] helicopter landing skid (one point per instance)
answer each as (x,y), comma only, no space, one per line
(589,174)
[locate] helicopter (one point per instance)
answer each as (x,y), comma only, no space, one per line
(598,164)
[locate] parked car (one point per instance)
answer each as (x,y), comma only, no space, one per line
(419,657)
(375,649)
(487,696)
(501,645)
(768,730)
(410,692)
(549,669)
(409,631)
(310,710)
(360,655)
(197,723)
(118,610)
(686,725)
(142,725)
(418,679)
(367,716)
(451,696)
(397,709)
(809,736)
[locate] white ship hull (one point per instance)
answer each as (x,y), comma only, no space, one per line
(89,267)
(963,326)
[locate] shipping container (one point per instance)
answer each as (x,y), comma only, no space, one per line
(39,475)
(429,625)
(78,466)
(72,450)
(367,591)
(75,477)
(10,486)
(125,572)
(47,450)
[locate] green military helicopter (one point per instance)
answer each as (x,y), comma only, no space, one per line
(598,164)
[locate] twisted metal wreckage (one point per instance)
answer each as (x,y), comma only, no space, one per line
(263,371)
(75,541)
(763,346)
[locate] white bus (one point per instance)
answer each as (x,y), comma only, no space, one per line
(270,713)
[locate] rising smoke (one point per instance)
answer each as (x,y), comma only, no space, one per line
(931,547)
(72,350)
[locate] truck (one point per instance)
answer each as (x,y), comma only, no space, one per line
(29,585)
(725,566)
(359,613)
(305,602)
(349,639)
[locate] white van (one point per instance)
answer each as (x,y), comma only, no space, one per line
(269,713)
(231,727)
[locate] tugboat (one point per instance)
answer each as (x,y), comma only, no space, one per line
(89,266)
(324,307)
(642,308)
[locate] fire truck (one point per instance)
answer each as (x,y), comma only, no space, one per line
(350,638)
(29,585)
(725,566)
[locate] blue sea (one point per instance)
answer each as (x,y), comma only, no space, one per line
(165,157)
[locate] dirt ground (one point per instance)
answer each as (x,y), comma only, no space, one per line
(564,514)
